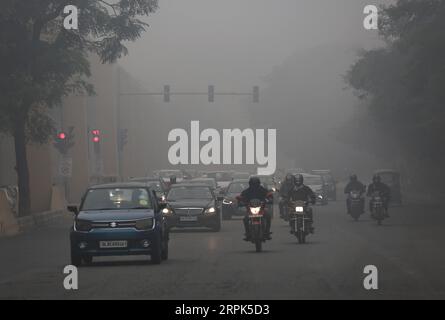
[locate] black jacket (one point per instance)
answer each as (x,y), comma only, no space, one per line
(356,185)
(251,193)
(384,190)
(286,186)
(302,193)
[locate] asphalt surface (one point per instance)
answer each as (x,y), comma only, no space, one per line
(408,251)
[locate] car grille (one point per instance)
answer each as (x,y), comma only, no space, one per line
(113,224)
(189,211)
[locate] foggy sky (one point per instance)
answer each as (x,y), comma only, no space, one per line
(236,43)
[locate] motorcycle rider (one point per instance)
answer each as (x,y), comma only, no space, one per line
(285,187)
(385,192)
(255,191)
(302,192)
(354,185)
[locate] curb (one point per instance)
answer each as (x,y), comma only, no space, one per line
(39,220)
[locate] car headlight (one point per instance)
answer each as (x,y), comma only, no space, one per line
(144,224)
(255,210)
(210,210)
(82,225)
(299,209)
(227,201)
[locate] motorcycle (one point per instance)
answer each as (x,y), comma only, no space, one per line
(283,209)
(299,219)
(377,207)
(355,204)
(257,224)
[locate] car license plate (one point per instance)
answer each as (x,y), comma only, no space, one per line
(188,219)
(113,244)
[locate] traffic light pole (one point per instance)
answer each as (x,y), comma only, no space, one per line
(166,94)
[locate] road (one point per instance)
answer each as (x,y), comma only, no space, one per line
(408,251)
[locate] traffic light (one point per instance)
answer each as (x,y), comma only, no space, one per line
(96,136)
(64,140)
(61,136)
(166,93)
(211,93)
(256,94)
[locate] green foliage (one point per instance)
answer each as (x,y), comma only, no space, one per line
(403,84)
(41,62)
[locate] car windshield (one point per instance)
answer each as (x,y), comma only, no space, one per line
(220,176)
(313,180)
(241,175)
(387,178)
(116,198)
(237,187)
(189,192)
(208,182)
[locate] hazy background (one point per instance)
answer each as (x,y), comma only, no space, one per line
(295,50)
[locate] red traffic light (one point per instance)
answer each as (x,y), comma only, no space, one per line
(61,135)
(96,134)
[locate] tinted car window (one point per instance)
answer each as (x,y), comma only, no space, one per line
(237,187)
(187,192)
(116,198)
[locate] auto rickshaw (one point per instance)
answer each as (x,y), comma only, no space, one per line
(391,178)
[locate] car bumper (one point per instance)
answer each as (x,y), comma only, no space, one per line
(201,221)
(93,238)
(233,210)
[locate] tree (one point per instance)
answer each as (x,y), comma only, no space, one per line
(42,62)
(402,84)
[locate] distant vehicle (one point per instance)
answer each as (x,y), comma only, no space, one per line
(223,178)
(192,205)
(295,171)
(229,206)
(167,174)
(118,219)
(241,175)
(316,183)
(155,183)
(331,186)
(392,179)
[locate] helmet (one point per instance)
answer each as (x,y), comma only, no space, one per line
(353,177)
(376,178)
(298,179)
(254,182)
(289,177)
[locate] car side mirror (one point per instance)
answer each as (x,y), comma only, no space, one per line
(73,208)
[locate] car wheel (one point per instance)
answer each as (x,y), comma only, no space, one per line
(156,251)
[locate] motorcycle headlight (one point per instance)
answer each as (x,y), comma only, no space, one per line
(299,209)
(144,224)
(227,201)
(320,197)
(255,210)
(274,189)
(166,211)
(163,198)
(82,225)
(210,210)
